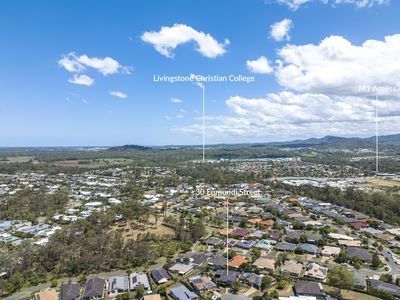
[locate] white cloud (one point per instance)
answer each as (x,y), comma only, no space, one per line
(180,116)
(280,30)
(285,115)
(168,38)
(260,65)
(176,100)
(168,118)
(335,66)
(81,79)
(106,66)
(295,4)
(118,94)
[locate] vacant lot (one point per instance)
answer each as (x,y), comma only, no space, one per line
(130,232)
(351,295)
(95,163)
(17,159)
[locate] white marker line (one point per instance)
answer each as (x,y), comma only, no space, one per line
(377,135)
(227,236)
(204,117)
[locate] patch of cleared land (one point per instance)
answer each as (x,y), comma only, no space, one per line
(351,295)
(95,163)
(17,159)
(131,232)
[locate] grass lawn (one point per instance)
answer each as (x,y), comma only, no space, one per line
(351,295)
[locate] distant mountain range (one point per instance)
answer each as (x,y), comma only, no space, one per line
(388,142)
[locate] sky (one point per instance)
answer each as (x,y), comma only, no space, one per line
(82,73)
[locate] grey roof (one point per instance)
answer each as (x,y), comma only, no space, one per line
(181,292)
(308,248)
(160,274)
(246,244)
(70,291)
(227,278)
(218,260)
(94,288)
(234,297)
(387,287)
(285,246)
(119,283)
(361,253)
(308,288)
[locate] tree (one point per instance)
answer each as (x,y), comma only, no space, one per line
(376,262)
(236,286)
(266,282)
(340,277)
(139,293)
(282,284)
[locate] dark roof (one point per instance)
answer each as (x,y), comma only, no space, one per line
(308,248)
(218,260)
(199,258)
(213,241)
(387,287)
(293,234)
(285,246)
(70,291)
(160,274)
(94,288)
(361,253)
(227,278)
(308,288)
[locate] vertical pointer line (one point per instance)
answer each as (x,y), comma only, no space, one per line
(203,123)
(377,135)
(227,236)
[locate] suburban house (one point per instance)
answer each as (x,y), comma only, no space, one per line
(316,272)
(94,288)
(160,276)
(139,280)
(265,264)
(70,291)
(202,283)
(180,268)
(118,284)
(47,294)
(309,288)
(181,292)
(361,253)
(292,267)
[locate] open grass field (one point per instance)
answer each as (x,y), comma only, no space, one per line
(92,164)
(382,182)
(150,227)
(17,159)
(351,295)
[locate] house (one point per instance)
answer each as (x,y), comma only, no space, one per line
(94,288)
(181,292)
(47,294)
(385,287)
(198,258)
(202,283)
(360,281)
(213,241)
(139,280)
(160,276)
(234,297)
(217,261)
(265,244)
(180,268)
(152,297)
(293,235)
(118,284)
(240,232)
(308,248)
(315,271)
(330,251)
(292,267)
(246,244)
(265,264)
(227,278)
(268,223)
(309,288)
(361,253)
(285,246)
(70,291)
(237,261)
(254,280)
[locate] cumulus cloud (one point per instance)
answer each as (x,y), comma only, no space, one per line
(260,65)
(336,66)
(285,115)
(118,94)
(81,80)
(280,30)
(295,4)
(168,38)
(106,66)
(176,100)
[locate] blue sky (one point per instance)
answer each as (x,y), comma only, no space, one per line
(305,91)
